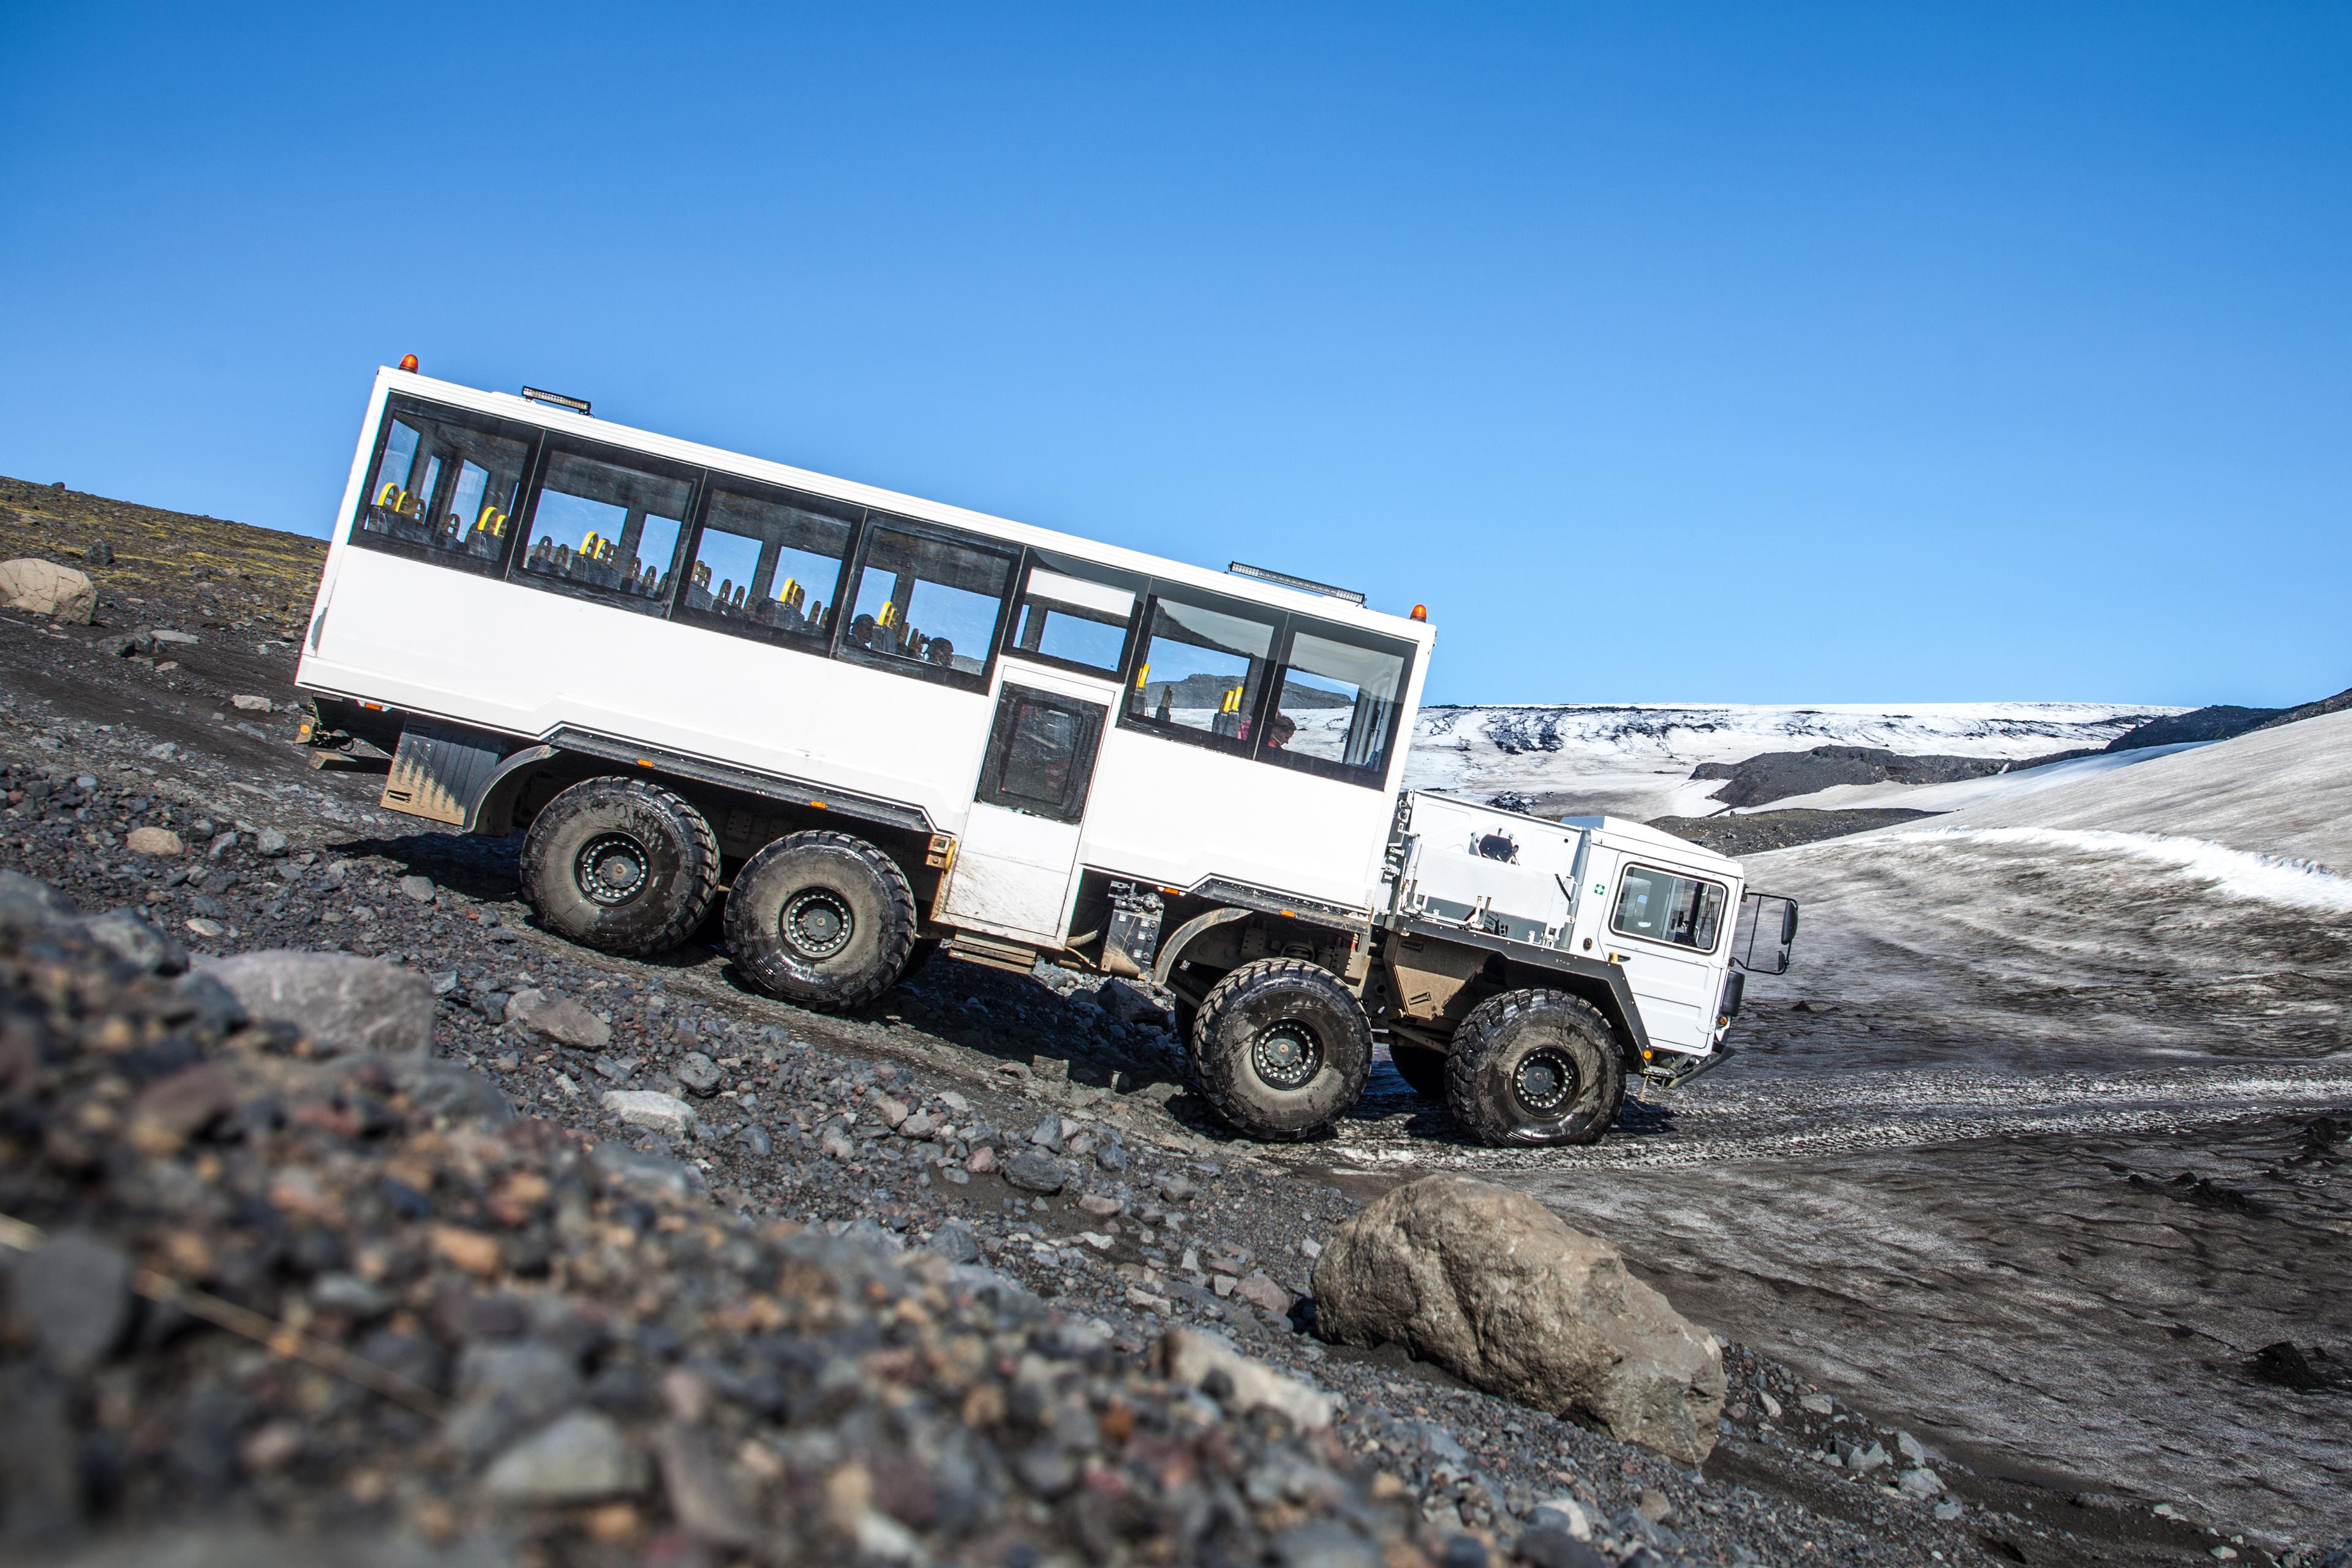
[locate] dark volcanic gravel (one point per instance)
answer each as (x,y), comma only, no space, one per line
(804,1317)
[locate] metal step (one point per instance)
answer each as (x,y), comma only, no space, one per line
(992,952)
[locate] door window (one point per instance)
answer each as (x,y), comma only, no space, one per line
(1662,907)
(1041,755)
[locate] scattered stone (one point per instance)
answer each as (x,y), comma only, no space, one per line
(579,1458)
(269,844)
(44,588)
(891,1113)
(560,1019)
(1819,1404)
(1034,1171)
(1920,1482)
(350,1003)
(250,704)
(26,902)
(99,553)
(1196,1356)
(664,1113)
(160,842)
(955,1242)
(205,926)
(1496,1288)
(1126,1003)
(1910,1447)
(1260,1290)
(74,1294)
(919,1125)
(1049,1132)
(698,1073)
(1861,1459)
(981,1161)
(126,934)
(1101,1205)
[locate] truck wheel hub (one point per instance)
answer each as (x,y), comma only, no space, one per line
(611,868)
(1544,1081)
(817,923)
(1286,1054)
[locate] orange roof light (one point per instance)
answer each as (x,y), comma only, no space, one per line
(1421,612)
(408,362)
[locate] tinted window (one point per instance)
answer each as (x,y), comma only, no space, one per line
(926,605)
(1203,671)
(1664,907)
(1068,620)
(1338,705)
(606,525)
(445,485)
(767,564)
(1041,754)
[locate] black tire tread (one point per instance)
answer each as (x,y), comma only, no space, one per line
(753,957)
(1212,1072)
(1481,1033)
(591,793)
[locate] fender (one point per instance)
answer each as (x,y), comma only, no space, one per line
(1172,951)
(492,811)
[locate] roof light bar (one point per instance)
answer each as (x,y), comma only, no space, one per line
(1306,584)
(557,399)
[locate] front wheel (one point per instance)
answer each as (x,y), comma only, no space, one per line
(820,918)
(621,864)
(1280,1049)
(1535,1068)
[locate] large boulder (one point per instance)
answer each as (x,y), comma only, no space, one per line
(352,1004)
(1495,1288)
(46,588)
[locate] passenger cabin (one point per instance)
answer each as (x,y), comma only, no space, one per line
(1031,714)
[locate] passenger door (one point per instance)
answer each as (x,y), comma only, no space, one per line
(1020,847)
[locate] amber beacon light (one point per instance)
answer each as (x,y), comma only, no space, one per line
(1421,612)
(408,362)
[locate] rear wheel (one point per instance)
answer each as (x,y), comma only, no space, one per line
(1280,1049)
(621,864)
(822,919)
(1420,1066)
(1535,1068)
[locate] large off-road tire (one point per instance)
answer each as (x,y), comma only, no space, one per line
(1280,1049)
(1535,1068)
(1421,1066)
(620,865)
(820,918)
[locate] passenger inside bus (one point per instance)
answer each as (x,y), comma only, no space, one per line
(602,525)
(776,556)
(921,598)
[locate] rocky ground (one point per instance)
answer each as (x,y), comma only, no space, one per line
(976,1121)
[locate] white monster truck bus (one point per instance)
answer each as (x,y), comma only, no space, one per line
(879,726)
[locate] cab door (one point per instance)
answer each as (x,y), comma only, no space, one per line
(1664,927)
(1019,850)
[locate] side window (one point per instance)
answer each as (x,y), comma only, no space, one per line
(924,605)
(1203,671)
(767,563)
(607,525)
(1663,907)
(1337,714)
(1069,621)
(1041,754)
(445,486)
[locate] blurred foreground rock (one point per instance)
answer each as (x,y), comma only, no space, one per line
(473,1338)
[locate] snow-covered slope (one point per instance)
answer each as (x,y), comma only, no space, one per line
(1635,760)
(2190,905)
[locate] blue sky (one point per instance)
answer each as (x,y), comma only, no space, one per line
(1770,353)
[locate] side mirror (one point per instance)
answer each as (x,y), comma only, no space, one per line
(1789,923)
